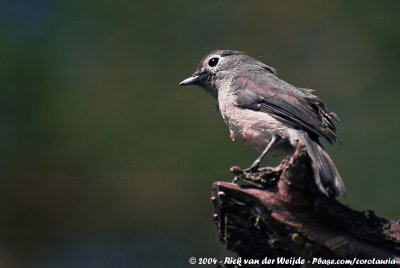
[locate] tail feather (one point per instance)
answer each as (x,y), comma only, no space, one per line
(326,175)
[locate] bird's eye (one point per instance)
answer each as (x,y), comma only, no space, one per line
(212,62)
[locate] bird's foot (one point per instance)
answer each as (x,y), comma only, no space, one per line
(255,177)
(253,168)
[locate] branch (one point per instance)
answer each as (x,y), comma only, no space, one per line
(279,212)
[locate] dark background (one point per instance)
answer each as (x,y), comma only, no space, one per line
(106,162)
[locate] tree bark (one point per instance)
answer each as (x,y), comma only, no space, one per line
(279,212)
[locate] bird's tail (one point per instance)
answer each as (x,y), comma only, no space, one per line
(326,175)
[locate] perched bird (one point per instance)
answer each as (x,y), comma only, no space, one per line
(268,113)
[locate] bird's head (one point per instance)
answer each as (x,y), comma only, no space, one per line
(220,66)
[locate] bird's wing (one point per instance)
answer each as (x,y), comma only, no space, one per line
(304,112)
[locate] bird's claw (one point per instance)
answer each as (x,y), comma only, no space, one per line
(254,167)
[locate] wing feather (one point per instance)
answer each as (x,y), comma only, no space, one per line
(303,111)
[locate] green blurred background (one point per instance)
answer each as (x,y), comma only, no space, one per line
(106,162)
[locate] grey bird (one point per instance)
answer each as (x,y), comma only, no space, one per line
(268,113)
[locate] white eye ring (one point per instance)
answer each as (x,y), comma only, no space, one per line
(213,61)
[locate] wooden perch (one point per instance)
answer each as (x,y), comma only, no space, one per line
(279,212)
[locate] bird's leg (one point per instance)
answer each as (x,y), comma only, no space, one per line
(256,163)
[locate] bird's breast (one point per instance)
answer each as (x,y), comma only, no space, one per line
(254,127)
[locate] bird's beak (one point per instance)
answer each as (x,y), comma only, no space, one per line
(194,80)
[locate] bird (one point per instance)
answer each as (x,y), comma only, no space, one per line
(270,114)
